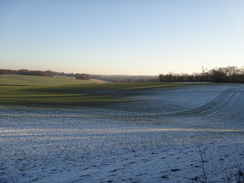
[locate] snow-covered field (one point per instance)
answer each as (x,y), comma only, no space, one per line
(172,135)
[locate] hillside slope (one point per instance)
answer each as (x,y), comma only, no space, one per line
(39,80)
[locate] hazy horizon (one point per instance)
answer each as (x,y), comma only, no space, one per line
(129,37)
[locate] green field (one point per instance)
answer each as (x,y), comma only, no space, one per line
(39,90)
(38,80)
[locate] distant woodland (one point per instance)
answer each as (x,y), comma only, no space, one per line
(45,73)
(229,74)
(83,76)
(126,78)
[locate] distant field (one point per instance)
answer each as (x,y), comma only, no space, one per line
(38,80)
(38,90)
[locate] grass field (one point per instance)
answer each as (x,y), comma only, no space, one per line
(38,80)
(113,132)
(36,90)
(175,130)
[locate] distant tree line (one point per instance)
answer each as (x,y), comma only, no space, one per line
(229,74)
(126,78)
(82,76)
(44,73)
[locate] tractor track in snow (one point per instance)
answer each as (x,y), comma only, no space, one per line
(223,100)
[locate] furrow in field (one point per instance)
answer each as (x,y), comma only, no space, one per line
(234,110)
(223,100)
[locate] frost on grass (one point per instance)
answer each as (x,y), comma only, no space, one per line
(136,142)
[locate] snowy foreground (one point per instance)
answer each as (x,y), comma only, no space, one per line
(189,134)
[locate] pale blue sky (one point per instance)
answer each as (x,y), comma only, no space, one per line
(145,37)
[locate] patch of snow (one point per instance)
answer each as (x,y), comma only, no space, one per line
(115,144)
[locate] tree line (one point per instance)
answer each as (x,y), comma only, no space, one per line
(126,78)
(82,76)
(231,74)
(49,73)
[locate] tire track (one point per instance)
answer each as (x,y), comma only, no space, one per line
(222,101)
(227,100)
(234,110)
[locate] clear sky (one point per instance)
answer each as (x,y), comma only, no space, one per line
(137,37)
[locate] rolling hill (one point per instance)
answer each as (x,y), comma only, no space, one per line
(21,80)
